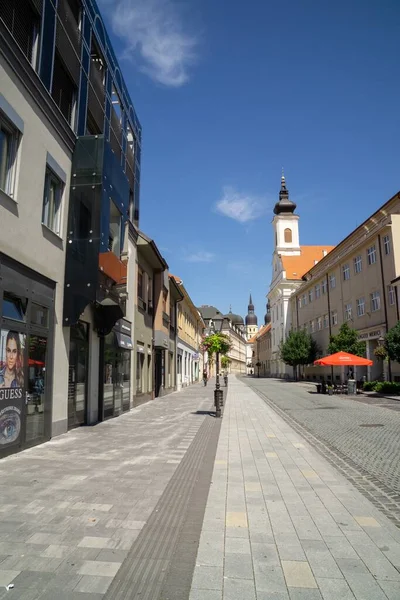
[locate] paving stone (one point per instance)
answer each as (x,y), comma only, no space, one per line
(196,594)
(7,577)
(391,589)
(334,589)
(238,589)
(207,578)
(298,574)
(304,594)
(269,579)
(93,585)
(364,586)
(238,566)
(237,545)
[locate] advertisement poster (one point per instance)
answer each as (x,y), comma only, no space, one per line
(12,385)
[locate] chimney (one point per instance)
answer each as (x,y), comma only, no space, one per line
(324,253)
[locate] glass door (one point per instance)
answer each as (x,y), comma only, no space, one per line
(77,379)
(35,389)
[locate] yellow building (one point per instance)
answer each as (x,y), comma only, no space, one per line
(190,331)
(354,283)
(262,352)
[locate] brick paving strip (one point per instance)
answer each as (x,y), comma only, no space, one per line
(120,500)
(282,523)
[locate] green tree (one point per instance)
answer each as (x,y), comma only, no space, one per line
(392,342)
(225,362)
(299,348)
(346,341)
(216,343)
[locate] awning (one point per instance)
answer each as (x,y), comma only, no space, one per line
(124,341)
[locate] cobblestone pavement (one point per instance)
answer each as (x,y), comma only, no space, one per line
(280,522)
(361,437)
(72,509)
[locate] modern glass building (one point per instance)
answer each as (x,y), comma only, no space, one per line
(70,148)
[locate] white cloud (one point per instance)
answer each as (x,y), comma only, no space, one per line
(239,206)
(201,256)
(152,31)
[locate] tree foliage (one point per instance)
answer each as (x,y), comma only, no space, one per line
(346,341)
(225,362)
(216,343)
(392,342)
(299,348)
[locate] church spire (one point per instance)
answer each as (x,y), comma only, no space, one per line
(251,318)
(284,205)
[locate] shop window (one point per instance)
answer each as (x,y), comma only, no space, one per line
(139,372)
(114,237)
(14,307)
(52,201)
(39,315)
(9,139)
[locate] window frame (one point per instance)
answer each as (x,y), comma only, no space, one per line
(310,295)
(346,272)
(52,177)
(324,286)
(375,297)
(326,321)
(332,281)
(317,291)
(334,317)
(357,263)
(319,323)
(371,252)
(386,244)
(391,295)
(360,306)
(12,154)
(348,312)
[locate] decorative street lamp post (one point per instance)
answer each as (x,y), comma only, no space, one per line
(381,342)
(218,322)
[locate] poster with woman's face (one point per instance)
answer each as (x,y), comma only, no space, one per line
(12,346)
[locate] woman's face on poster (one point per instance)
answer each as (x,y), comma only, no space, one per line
(11,354)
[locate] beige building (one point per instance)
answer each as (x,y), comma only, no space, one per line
(237,337)
(190,331)
(354,283)
(262,351)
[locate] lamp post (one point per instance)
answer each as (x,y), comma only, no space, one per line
(218,322)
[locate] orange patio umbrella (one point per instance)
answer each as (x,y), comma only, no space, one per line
(340,359)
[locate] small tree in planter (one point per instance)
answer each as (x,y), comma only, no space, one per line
(392,343)
(216,344)
(346,341)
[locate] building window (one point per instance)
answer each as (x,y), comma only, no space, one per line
(63,90)
(114,236)
(375,301)
(347,312)
(288,236)
(391,295)
(52,197)
(9,138)
(299,303)
(304,301)
(140,282)
(334,317)
(326,321)
(371,255)
(319,323)
(312,326)
(332,281)
(323,286)
(386,244)
(23,22)
(150,294)
(360,307)
(317,291)
(357,264)
(139,371)
(310,295)
(346,272)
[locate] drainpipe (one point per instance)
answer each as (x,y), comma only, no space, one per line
(329,316)
(384,299)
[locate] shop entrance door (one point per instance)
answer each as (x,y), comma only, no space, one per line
(77,379)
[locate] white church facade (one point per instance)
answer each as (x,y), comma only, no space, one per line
(290,261)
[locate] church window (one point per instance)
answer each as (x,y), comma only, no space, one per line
(288,236)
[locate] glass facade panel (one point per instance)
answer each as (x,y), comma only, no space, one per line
(36,385)
(14,307)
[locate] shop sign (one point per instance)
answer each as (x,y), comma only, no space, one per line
(12,385)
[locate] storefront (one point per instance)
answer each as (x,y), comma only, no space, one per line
(26,356)
(115,389)
(78,375)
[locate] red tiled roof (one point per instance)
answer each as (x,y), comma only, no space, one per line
(296,266)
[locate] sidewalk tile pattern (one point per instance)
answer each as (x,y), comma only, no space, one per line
(282,524)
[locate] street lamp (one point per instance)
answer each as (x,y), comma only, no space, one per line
(218,322)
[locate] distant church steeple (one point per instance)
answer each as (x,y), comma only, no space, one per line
(284,205)
(251,320)
(267,316)
(286,224)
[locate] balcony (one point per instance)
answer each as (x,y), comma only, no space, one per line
(113,267)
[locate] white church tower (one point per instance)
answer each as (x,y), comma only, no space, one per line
(286,224)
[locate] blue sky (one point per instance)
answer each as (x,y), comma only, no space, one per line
(227,94)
